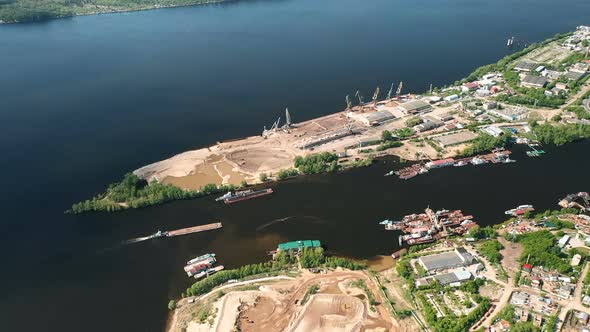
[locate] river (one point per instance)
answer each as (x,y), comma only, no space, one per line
(86,99)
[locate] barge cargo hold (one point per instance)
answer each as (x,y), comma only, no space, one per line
(243,195)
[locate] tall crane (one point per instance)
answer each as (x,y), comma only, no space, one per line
(358,94)
(399,88)
(375,96)
(390,91)
(288,118)
(348,103)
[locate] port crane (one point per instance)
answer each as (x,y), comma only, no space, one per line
(399,88)
(358,94)
(348,103)
(375,96)
(390,91)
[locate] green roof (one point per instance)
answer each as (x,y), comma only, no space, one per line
(299,244)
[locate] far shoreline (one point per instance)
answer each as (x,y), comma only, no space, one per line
(116,11)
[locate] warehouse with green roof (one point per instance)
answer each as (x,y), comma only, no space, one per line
(298,245)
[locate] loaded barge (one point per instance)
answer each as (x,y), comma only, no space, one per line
(177,232)
(430,226)
(238,196)
(202,266)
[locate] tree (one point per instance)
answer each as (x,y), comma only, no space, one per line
(263,177)
(386,135)
(171,305)
(413,121)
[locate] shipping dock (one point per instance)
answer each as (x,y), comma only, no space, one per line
(497,156)
(430,226)
(177,232)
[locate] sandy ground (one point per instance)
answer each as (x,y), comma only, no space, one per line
(510,255)
(338,306)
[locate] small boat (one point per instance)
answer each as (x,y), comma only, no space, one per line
(200,258)
(226,195)
(208,272)
(460,163)
(158,234)
(386,222)
(390,173)
(508,161)
(478,161)
(423,170)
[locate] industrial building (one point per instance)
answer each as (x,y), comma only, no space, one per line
(451,259)
(510,114)
(378,118)
(428,124)
(525,66)
(532,81)
(493,130)
(414,107)
(452,279)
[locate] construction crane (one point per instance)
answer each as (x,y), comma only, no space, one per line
(358,94)
(390,91)
(348,103)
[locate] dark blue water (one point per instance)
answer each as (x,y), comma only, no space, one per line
(84,100)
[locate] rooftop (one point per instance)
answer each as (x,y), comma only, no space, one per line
(534,80)
(300,244)
(525,65)
(415,105)
(458,257)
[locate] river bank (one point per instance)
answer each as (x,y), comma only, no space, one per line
(32,15)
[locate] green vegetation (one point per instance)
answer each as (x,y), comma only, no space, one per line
(507,314)
(560,134)
(528,96)
(452,323)
(404,133)
(389,145)
(263,177)
(540,250)
(479,233)
(313,289)
(551,323)
(287,173)
(504,62)
(207,284)
(39,10)
(386,135)
(171,305)
(315,257)
(133,192)
(491,250)
(317,163)
(360,283)
(362,162)
(486,143)
(413,121)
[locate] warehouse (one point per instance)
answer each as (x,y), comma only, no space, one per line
(525,66)
(456,258)
(452,279)
(378,118)
(414,107)
(531,81)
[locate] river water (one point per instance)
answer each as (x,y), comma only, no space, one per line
(84,100)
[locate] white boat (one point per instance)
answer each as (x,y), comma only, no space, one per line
(460,163)
(390,173)
(200,258)
(508,161)
(386,222)
(226,195)
(478,161)
(423,170)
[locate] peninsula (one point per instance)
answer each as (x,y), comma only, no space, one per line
(20,11)
(536,95)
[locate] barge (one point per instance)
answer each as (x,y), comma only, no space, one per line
(243,195)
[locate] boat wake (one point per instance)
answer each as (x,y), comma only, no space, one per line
(270,223)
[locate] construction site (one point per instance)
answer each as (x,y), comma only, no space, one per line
(244,159)
(326,301)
